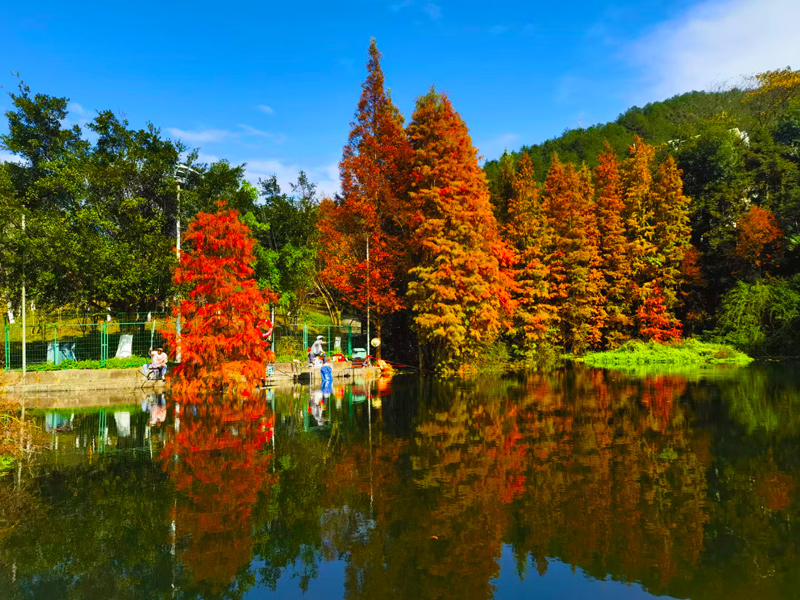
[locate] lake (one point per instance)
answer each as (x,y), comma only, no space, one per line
(577,483)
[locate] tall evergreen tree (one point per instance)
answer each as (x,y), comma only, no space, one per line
(459,288)
(528,230)
(374,174)
(575,258)
(672,230)
(639,216)
(220,346)
(613,248)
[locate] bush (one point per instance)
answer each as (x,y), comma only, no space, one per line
(132,362)
(761,317)
(687,352)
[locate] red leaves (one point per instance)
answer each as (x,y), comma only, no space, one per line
(220,344)
(654,322)
(375,173)
(759,237)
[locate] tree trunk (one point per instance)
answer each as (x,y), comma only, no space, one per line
(378,335)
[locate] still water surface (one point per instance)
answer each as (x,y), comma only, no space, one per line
(579,483)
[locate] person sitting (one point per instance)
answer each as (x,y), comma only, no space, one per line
(317,350)
(159,362)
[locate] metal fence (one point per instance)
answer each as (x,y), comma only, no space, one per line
(54,343)
(293,340)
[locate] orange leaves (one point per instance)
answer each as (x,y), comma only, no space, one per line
(654,322)
(574,261)
(759,238)
(461,286)
(374,173)
(220,343)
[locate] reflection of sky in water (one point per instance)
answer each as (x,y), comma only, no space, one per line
(560,582)
(680,485)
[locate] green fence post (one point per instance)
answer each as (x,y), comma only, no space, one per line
(7,344)
(55,345)
(329,339)
(101,431)
(350,340)
(103,344)
(305,335)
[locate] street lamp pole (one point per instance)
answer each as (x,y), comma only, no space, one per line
(24,332)
(180,174)
(369,345)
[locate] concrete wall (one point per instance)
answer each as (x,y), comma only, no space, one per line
(75,380)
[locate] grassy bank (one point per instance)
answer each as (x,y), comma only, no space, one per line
(132,362)
(684,353)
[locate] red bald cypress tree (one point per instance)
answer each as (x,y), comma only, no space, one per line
(374,174)
(614,250)
(528,230)
(220,344)
(574,261)
(461,280)
(758,243)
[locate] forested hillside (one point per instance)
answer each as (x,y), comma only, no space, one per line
(738,152)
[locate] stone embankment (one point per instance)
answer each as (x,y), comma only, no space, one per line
(35,382)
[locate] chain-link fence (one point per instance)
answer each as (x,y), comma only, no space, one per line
(51,345)
(294,340)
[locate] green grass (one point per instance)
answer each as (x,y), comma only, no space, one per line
(689,352)
(133,362)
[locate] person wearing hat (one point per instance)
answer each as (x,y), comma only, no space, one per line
(317,350)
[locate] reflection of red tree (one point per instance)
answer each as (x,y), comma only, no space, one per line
(604,493)
(217,465)
(659,394)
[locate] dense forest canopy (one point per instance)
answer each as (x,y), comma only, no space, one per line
(737,153)
(101,210)
(679,218)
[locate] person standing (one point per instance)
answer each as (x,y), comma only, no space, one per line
(317,350)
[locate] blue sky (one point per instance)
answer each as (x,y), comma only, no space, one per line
(275,85)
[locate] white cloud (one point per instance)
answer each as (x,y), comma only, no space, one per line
(8,157)
(77,109)
(396,6)
(499,29)
(494,147)
(326,177)
(279,138)
(716,43)
(201,135)
(207,158)
(267,109)
(433,10)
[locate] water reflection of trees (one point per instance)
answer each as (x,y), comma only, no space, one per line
(658,480)
(216,460)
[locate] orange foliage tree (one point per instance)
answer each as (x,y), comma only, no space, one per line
(672,229)
(613,249)
(759,239)
(654,322)
(220,344)
(217,463)
(656,215)
(461,281)
(576,277)
(528,230)
(639,215)
(374,172)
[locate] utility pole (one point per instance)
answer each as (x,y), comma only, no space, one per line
(24,336)
(178,253)
(369,345)
(180,174)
